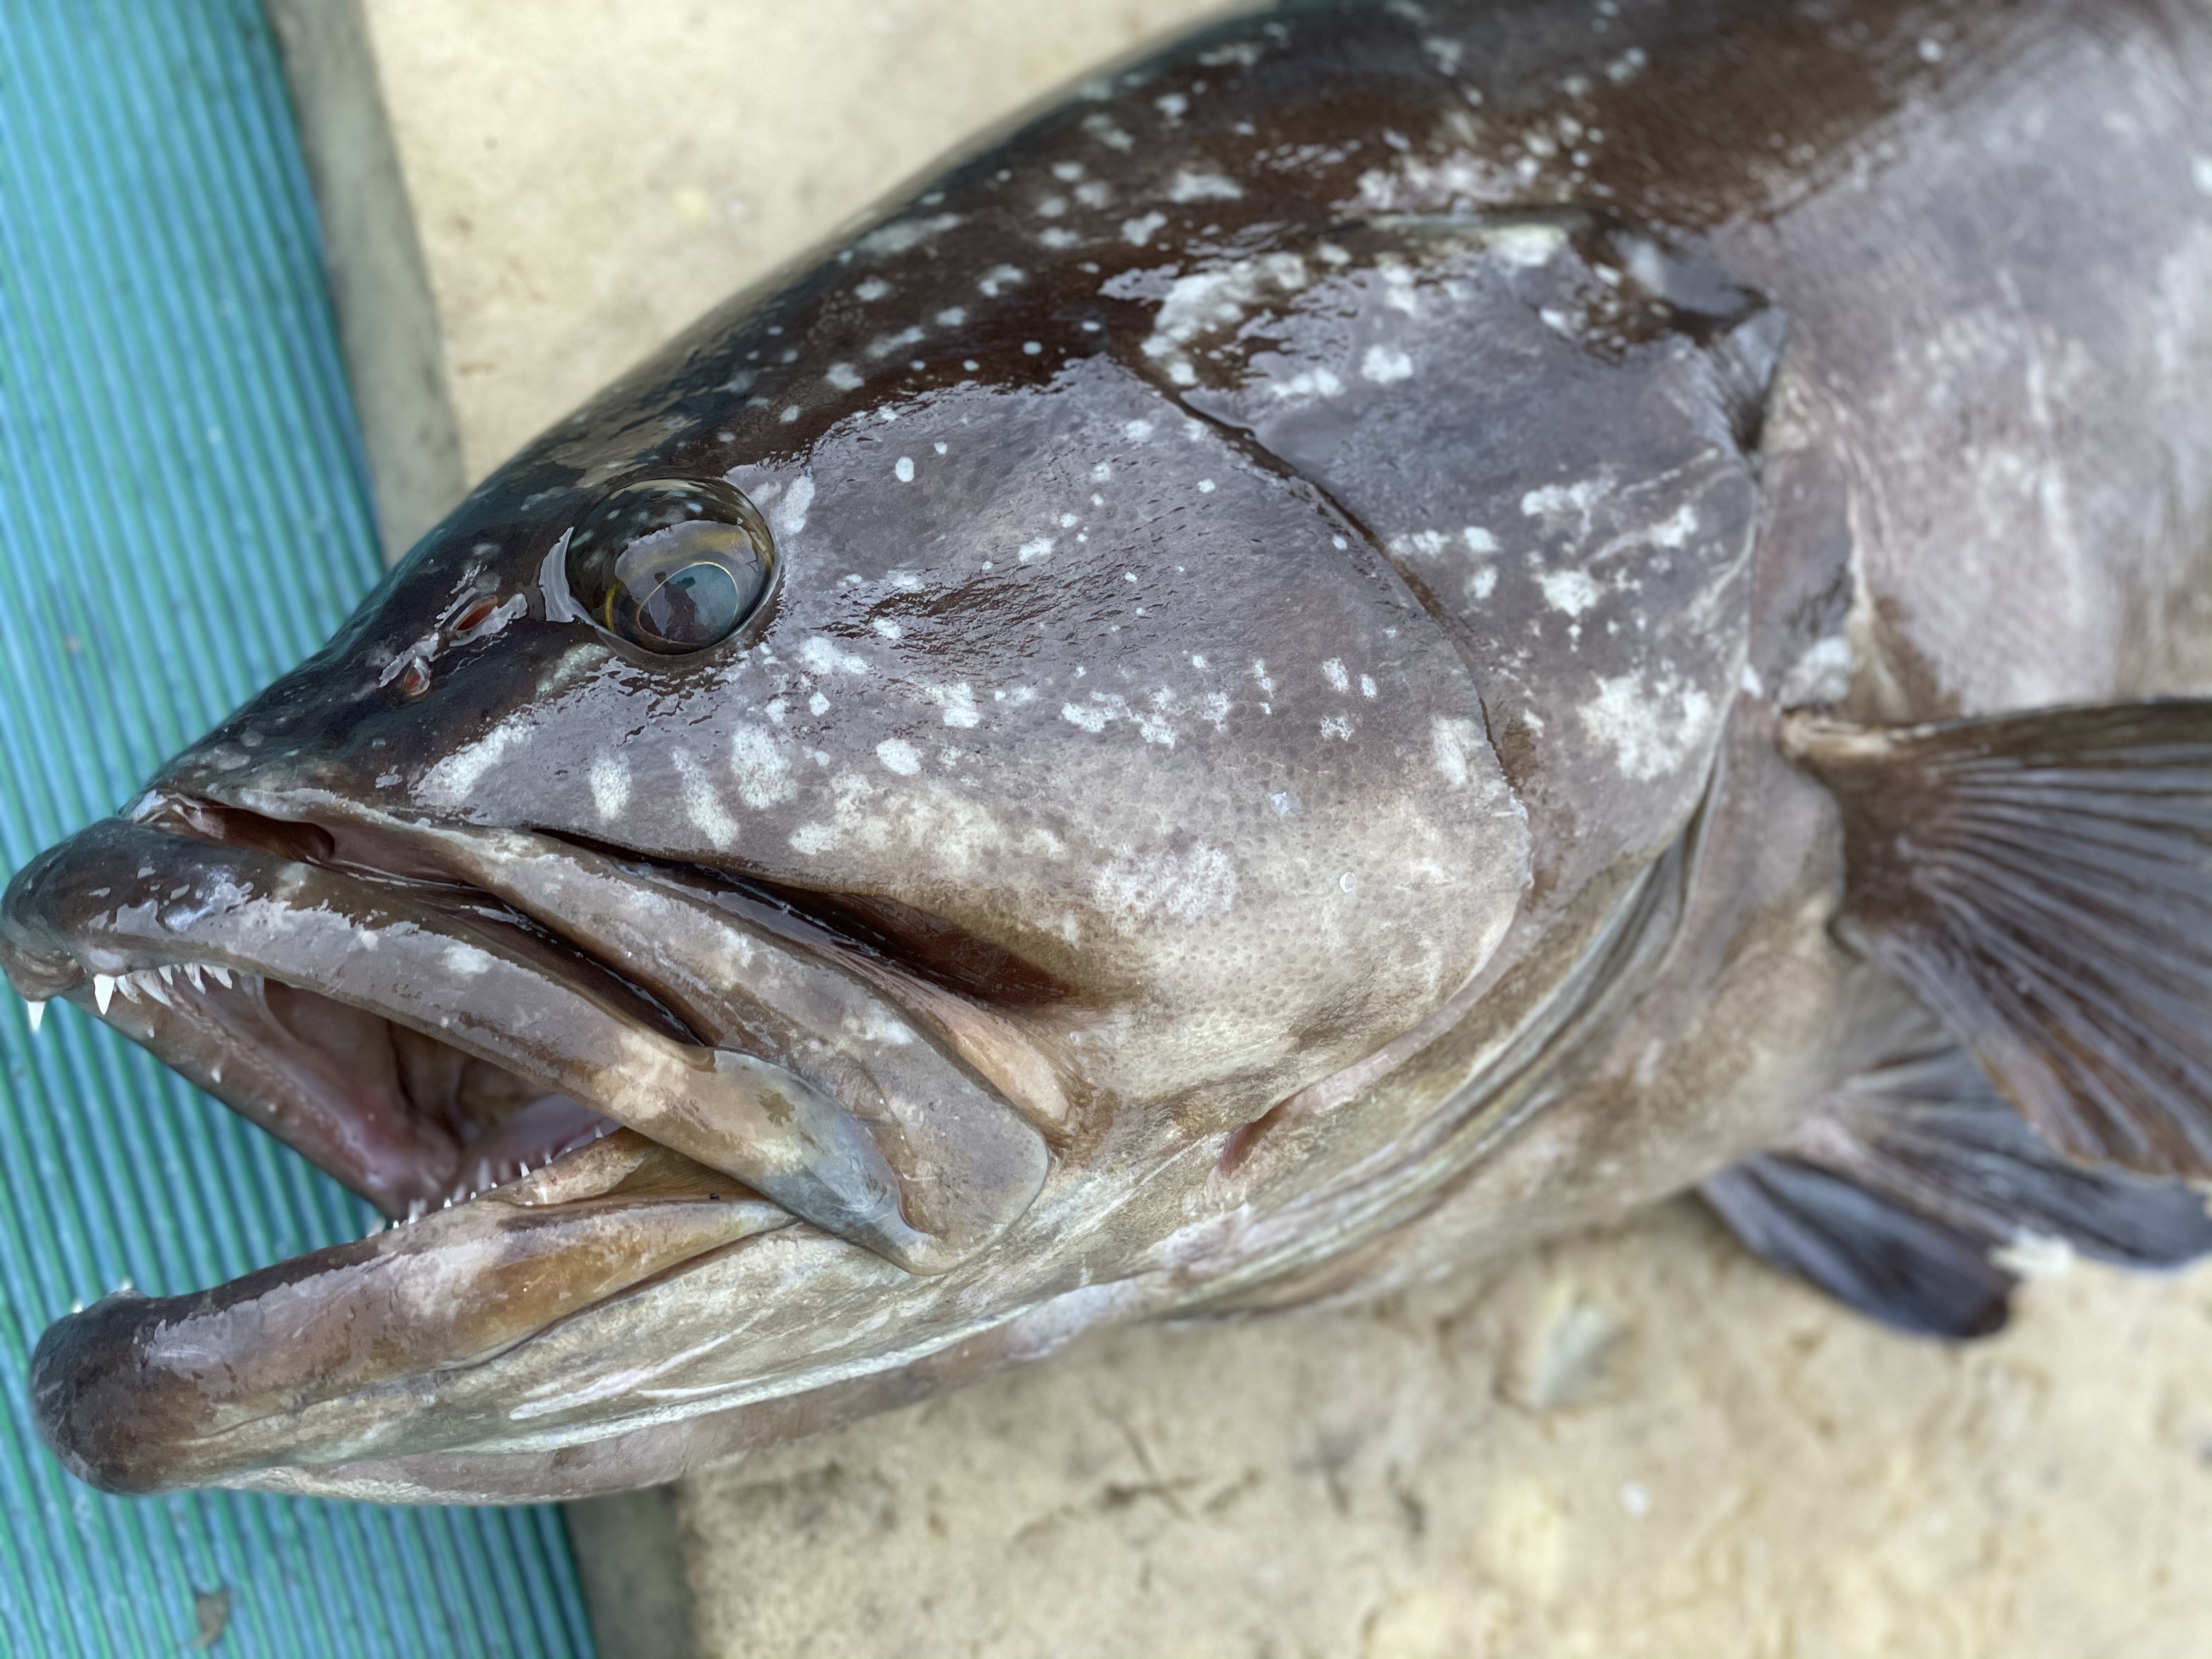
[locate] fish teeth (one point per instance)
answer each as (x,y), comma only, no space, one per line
(103,992)
(192,973)
(169,973)
(35,1012)
(220,974)
(150,982)
(127,983)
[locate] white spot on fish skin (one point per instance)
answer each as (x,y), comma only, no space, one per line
(1039,548)
(1482,584)
(1032,348)
(701,805)
(1931,51)
(1650,728)
(873,289)
(1333,670)
(1068,522)
(1306,383)
(1205,486)
(957,703)
(1450,741)
(812,838)
(1367,688)
(1569,590)
(903,233)
(1171,105)
(1067,171)
(454,779)
(1137,431)
(1336,726)
(998,278)
(1186,887)
(821,656)
(903,471)
(1676,531)
(1093,718)
(843,376)
(1553,502)
(790,514)
(609,781)
(818,705)
(1100,473)
(1095,194)
(1260,674)
(1750,683)
(899,756)
(1052,207)
(1186,186)
(1385,364)
(790,414)
(758,762)
(887,627)
(467,961)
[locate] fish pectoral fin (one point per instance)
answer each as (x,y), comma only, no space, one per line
(2043,883)
(1920,1198)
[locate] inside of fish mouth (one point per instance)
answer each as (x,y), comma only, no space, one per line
(407,1120)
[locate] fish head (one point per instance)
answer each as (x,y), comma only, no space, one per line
(765,899)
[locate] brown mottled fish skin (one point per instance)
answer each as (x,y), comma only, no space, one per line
(1261,776)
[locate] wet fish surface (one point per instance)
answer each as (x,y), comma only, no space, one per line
(1397,629)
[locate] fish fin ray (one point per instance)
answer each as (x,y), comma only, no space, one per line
(1892,1263)
(1901,1197)
(2043,883)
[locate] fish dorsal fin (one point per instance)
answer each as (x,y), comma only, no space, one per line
(2043,881)
(1900,1198)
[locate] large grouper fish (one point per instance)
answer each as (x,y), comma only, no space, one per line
(1397,629)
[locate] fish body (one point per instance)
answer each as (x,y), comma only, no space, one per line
(1373,639)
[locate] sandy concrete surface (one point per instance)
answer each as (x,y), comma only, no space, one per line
(1635,1444)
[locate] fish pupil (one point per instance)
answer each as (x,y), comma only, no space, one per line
(696,607)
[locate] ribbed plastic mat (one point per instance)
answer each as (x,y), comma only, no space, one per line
(182,514)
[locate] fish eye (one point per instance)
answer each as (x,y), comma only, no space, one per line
(671,565)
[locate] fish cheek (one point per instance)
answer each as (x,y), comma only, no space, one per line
(1151,717)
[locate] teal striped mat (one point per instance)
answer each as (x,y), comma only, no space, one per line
(183,513)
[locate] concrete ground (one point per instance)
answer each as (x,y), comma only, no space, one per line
(1638,1443)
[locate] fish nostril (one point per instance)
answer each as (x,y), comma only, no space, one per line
(474,618)
(414,679)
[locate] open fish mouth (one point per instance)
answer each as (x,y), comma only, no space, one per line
(563,1073)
